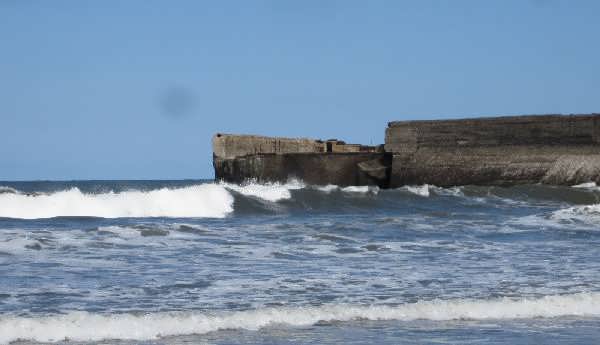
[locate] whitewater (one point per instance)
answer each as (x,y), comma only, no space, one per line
(82,326)
(192,261)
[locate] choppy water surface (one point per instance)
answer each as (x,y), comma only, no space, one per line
(179,262)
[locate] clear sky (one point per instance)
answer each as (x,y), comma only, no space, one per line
(136,89)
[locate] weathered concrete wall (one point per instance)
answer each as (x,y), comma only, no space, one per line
(345,148)
(340,146)
(238,158)
(231,146)
(551,149)
(313,168)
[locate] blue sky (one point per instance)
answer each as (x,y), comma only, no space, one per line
(135,89)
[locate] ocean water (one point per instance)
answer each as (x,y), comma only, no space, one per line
(197,262)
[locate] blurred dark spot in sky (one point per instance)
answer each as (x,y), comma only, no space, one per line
(177,102)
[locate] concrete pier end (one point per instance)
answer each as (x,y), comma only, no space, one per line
(238,158)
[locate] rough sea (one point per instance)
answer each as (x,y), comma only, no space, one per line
(197,262)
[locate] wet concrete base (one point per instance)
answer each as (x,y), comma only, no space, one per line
(313,168)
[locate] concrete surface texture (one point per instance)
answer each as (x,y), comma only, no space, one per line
(231,146)
(238,158)
(313,168)
(551,149)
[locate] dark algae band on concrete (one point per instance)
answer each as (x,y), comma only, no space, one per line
(549,149)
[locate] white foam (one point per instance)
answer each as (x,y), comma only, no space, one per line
(587,214)
(83,326)
(5,189)
(127,234)
(591,186)
(205,200)
(327,188)
(349,189)
(425,190)
(269,191)
(121,231)
(451,191)
(16,245)
(361,189)
(422,190)
(586,185)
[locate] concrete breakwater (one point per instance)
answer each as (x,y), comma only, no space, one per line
(549,149)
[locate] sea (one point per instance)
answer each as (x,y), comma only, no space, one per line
(204,262)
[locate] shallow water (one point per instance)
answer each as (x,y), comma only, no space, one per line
(181,262)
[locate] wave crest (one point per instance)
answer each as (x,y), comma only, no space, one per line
(83,326)
(587,214)
(205,200)
(10,190)
(272,192)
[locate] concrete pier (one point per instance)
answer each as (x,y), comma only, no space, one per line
(550,149)
(238,158)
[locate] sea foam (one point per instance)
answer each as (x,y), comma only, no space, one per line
(422,190)
(361,189)
(348,189)
(587,214)
(587,185)
(5,189)
(205,200)
(83,326)
(272,192)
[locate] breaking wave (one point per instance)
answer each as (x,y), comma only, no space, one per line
(270,191)
(360,189)
(205,200)
(218,200)
(215,200)
(422,190)
(4,189)
(84,326)
(587,214)
(587,185)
